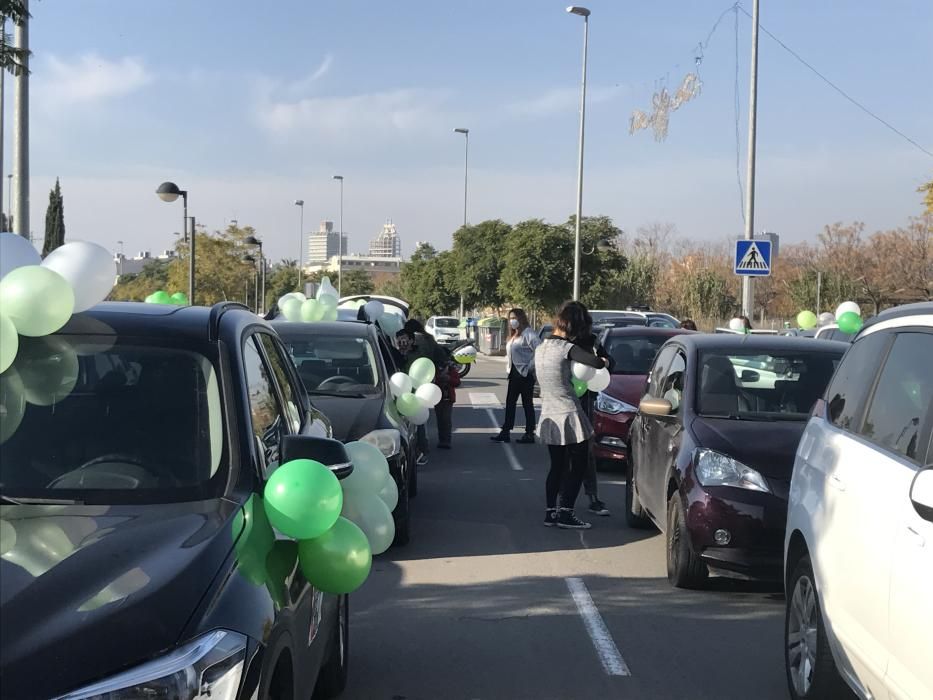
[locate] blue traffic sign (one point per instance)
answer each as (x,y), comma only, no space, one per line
(753,257)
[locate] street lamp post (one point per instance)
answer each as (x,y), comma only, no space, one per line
(122,256)
(466,171)
(260,290)
(340,243)
(585,14)
(169,192)
(300,203)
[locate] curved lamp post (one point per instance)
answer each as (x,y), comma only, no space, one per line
(301,238)
(260,300)
(169,192)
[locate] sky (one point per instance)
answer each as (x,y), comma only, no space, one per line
(250,106)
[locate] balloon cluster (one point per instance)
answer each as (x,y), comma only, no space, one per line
(162,297)
(585,378)
(323,307)
(370,495)
(415,393)
(848,317)
(37,297)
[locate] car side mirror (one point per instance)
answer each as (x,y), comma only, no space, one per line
(749,376)
(330,453)
(921,493)
(655,407)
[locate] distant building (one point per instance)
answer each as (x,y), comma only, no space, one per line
(387,244)
(135,265)
(379,268)
(324,244)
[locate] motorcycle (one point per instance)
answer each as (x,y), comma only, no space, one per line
(464,355)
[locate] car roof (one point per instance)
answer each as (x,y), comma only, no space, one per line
(762,343)
(919,314)
(647,330)
(349,329)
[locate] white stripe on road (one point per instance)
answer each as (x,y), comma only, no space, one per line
(509,452)
(605,647)
(481,399)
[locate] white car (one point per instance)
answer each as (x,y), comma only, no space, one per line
(858,554)
(831,332)
(444,329)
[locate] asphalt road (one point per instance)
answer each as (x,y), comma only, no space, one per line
(486,603)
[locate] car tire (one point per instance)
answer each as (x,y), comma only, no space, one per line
(803,619)
(634,514)
(402,516)
(333,676)
(684,568)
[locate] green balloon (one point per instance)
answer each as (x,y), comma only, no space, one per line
(280,564)
(421,371)
(12,403)
(179,299)
(312,310)
(36,299)
(161,297)
(9,342)
(408,405)
(291,309)
(579,386)
(807,320)
(303,499)
(338,561)
(254,540)
(49,368)
(849,322)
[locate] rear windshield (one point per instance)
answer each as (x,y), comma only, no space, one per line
(334,364)
(779,386)
(94,421)
(446,322)
(633,354)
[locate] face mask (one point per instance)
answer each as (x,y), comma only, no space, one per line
(513,322)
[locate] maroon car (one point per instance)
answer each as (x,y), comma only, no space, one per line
(632,350)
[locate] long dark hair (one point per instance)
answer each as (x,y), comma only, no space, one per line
(522,322)
(574,321)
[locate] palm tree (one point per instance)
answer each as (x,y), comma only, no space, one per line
(11,58)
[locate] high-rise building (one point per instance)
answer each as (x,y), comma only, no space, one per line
(387,244)
(325,244)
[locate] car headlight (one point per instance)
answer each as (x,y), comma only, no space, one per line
(716,469)
(209,667)
(607,404)
(388,441)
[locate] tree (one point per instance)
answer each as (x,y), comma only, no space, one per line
(281,279)
(426,282)
(601,271)
(927,191)
(12,58)
(357,282)
(136,287)
(478,253)
(222,270)
(538,269)
(54,221)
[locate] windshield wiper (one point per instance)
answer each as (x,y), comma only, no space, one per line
(341,394)
(26,501)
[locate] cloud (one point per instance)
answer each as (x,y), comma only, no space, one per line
(560,101)
(89,78)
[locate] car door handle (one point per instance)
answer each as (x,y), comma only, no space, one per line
(918,539)
(837,483)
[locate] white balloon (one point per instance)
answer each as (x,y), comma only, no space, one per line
(374,309)
(372,516)
(826,318)
(737,324)
(88,268)
(848,306)
(600,380)
(389,493)
(429,395)
(326,288)
(370,468)
(583,372)
(16,251)
(421,417)
(400,383)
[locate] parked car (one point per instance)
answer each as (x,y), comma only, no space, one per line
(619,322)
(831,332)
(546,331)
(444,329)
(713,447)
(134,449)
(345,367)
(632,349)
(859,546)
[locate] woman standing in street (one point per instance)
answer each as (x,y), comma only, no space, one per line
(520,359)
(565,428)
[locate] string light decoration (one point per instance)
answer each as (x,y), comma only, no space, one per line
(663,104)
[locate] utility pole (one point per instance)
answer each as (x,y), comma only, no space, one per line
(2,91)
(20,205)
(748,292)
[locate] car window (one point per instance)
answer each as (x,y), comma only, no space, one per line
(387,359)
(633,354)
(267,420)
(657,371)
(673,383)
(901,404)
(334,364)
(845,398)
(284,379)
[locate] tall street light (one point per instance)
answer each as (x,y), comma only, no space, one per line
(466,170)
(261,294)
(340,243)
(169,192)
(585,14)
(301,238)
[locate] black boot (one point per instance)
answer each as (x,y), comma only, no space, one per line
(503,436)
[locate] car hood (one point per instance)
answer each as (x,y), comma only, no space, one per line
(350,417)
(86,591)
(766,446)
(627,387)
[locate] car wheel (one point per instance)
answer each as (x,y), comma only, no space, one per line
(333,677)
(634,514)
(808,660)
(402,516)
(684,568)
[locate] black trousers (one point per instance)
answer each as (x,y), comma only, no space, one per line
(590,485)
(568,466)
(443,412)
(523,387)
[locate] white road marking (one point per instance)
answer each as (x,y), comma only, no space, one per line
(481,399)
(602,640)
(509,452)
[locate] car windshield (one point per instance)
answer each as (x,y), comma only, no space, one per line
(633,354)
(660,321)
(758,386)
(446,323)
(89,420)
(338,365)
(600,316)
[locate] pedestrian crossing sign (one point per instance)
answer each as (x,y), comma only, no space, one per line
(753,257)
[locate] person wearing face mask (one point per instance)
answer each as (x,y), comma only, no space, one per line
(520,364)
